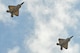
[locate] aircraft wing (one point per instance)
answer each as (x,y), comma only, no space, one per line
(61,40)
(16,13)
(11,7)
(65,45)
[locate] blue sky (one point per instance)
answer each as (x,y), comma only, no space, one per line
(39,25)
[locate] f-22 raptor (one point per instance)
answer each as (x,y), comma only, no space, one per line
(14,10)
(64,43)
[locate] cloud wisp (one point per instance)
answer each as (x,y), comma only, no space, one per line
(52,18)
(14,50)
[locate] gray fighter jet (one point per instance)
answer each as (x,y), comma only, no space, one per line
(64,42)
(14,10)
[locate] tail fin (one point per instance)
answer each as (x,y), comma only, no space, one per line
(57,44)
(11,14)
(61,48)
(7,11)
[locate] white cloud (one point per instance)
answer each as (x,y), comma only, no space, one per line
(47,32)
(14,50)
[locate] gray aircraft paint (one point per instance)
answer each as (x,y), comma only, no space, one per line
(64,42)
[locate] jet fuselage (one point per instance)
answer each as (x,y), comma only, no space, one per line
(14,10)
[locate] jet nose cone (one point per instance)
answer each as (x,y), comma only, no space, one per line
(71,36)
(22,3)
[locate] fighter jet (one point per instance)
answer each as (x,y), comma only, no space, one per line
(14,10)
(64,42)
